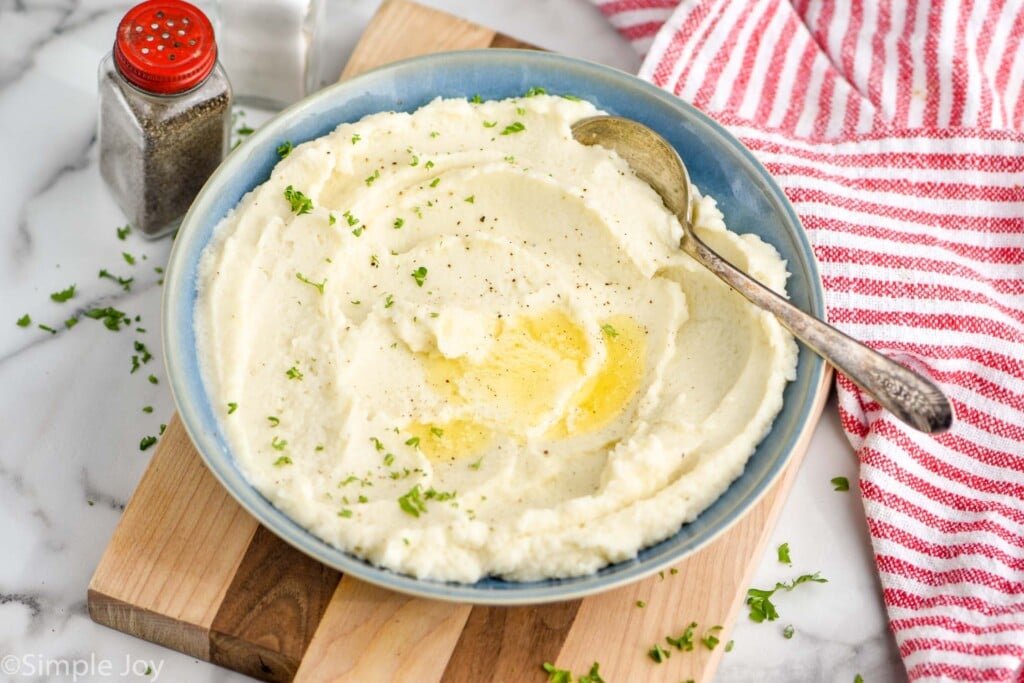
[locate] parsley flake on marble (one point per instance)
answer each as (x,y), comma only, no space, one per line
(24,321)
(783,553)
(840,484)
(759,600)
(63,295)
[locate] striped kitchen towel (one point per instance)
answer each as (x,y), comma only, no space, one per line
(896,128)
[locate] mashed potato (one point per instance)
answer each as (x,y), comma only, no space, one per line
(457,343)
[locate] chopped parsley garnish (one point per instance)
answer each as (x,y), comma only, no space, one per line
(285,148)
(147,409)
(283,460)
(413,441)
(70,322)
(432,494)
(641,604)
(419,275)
(350,219)
(729,645)
(294,373)
(399,222)
(415,161)
(128,258)
(369,180)
(153,379)
(363,499)
(556,675)
(25,320)
(511,128)
(389,459)
(784,554)
(685,641)
(471,199)
(345,513)
(141,348)
(274,421)
(788,632)
(125,282)
(245,130)
(510,159)
(389,301)
(434,134)
(476,99)
(858,679)
(840,484)
(759,600)
(377,443)
(594,676)
(571,98)
(476,465)
(533,92)
(434,182)
(47,328)
(610,331)
(658,653)
(122,233)
(163,428)
(111,317)
(411,503)
(710,638)
(135,365)
(374,261)
(319,285)
(358,231)
(278,443)
(232,407)
(300,203)
(146,442)
(490,124)
(437,431)
(356,138)
(520,110)
(63,295)
(331,220)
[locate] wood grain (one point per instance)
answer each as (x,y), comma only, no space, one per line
(373,634)
(509,643)
(271,609)
(174,552)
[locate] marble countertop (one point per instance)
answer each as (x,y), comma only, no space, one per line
(72,410)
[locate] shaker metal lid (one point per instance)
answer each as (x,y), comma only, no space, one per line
(165,46)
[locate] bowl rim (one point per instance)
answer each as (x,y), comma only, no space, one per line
(547,590)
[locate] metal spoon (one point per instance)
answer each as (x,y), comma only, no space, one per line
(908,395)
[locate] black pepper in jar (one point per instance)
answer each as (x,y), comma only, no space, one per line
(164,113)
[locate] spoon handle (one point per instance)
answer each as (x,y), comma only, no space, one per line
(908,395)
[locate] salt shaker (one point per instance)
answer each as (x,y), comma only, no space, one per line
(164,112)
(268,48)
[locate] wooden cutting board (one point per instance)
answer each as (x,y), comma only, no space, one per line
(188,568)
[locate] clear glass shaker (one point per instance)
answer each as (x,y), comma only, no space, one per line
(164,113)
(269,49)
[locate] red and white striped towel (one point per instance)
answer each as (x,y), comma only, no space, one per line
(896,128)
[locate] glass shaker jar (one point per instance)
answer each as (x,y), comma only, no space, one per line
(164,113)
(270,49)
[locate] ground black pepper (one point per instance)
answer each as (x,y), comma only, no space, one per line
(165,113)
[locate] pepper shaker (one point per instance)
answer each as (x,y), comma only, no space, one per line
(164,112)
(268,48)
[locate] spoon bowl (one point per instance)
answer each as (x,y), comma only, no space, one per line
(910,397)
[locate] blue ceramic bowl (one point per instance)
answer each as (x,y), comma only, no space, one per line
(718,164)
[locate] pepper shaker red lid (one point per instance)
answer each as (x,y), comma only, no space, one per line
(165,46)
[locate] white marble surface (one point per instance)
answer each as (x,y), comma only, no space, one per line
(71,411)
